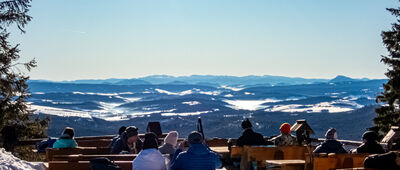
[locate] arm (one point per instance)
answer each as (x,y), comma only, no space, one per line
(116,148)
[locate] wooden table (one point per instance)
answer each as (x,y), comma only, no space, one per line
(286,164)
(223,150)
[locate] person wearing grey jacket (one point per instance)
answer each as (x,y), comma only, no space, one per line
(170,142)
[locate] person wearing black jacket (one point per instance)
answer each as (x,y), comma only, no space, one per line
(386,161)
(249,137)
(330,145)
(128,142)
(370,144)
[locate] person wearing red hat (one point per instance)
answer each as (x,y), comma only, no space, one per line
(285,138)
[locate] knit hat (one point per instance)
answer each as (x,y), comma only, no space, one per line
(195,138)
(370,136)
(131,131)
(172,138)
(285,128)
(68,131)
(331,134)
(246,124)
(150,141)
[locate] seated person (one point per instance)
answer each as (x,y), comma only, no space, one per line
(149,158)
(128,142)
(370,144)
(170,142)
(249,137)
(386,161)
(330,145)
(285,138)
(66,140)
(120,131)
(197,157)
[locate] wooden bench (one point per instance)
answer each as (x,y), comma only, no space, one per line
(80,150)
(83,165)
(80,157)
(260,154)
(336,161)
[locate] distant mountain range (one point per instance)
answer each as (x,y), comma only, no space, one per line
(211,80)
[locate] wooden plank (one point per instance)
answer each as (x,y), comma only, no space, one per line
(83,165)
(80,157)
(80,150)
(217,142)
(94,143)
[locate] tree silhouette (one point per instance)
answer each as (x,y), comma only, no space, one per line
(388,113)
(14,91)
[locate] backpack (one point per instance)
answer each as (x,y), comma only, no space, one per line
(41,147)
(103,163)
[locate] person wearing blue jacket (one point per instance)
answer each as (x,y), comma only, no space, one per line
(66,140)
(197,157)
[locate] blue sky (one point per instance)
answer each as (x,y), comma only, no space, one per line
(96,39)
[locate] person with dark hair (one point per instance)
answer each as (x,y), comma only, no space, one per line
(128,142)
(197,157)
(249,137)
(330,145)
(285,138)
(149,158)
(9,135)
(66,140)
(370,144)
(120,131)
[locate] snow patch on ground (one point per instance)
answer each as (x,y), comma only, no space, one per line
(60,112)
(9,161)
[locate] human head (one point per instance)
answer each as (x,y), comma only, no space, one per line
(195,138)
(150,141)
(285,128)
(68,131)
(121,130)
(132,134)
(172,138)
(370,136)
(246,124)
(331,134)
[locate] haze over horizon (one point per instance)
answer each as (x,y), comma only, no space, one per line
(130,39)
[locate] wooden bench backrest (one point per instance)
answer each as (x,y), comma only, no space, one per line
(76,158)
(236,151)
(217,142)
(94,143)
(83,165)
(338,161)
(80,150)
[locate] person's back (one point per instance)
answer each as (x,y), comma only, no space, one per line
(249,137)
(370,144)
(170,142)
(66,140)
(197,157)
(387,161)
(330,145)
(285,138)
(149,158)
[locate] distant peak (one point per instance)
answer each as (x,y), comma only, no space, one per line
(341,78)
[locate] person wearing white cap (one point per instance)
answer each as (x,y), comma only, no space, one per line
(170,142)
(330,145)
